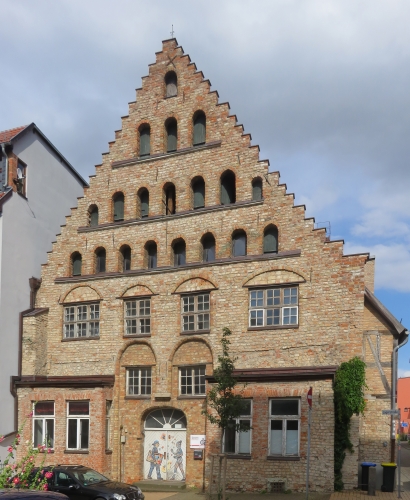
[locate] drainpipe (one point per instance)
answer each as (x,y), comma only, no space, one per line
(394,386)
(6,177)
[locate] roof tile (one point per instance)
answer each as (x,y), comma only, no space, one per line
(7,135)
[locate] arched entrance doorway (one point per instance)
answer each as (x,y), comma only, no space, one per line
(165,445)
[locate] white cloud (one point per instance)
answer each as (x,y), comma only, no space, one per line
(403,373)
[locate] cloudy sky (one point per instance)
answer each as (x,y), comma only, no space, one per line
(322,86)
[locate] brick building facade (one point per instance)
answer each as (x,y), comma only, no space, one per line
(184,231)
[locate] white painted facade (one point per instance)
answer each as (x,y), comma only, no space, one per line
(28,226)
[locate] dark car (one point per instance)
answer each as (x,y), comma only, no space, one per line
(82,483)
(22,494)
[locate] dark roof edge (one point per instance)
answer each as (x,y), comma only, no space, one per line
(384,312)
(69,381)
(51,145)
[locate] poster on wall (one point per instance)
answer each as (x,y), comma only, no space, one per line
(197,441)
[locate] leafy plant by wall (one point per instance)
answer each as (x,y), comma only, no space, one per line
(349,399)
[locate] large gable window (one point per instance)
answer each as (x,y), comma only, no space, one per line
(171,84)
(199,128)
(81,321)
(272,307)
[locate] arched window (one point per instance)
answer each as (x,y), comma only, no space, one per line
(145,136)
(171,84)
(208,248)
(228,188)
(143,196)
(100,260)
(169,198)
(125,258)
(118,206)
(93,216)
(198,192)
(151,254)
(238,243)
(270,239)
(257,189)
(171,128)
(199,128)
(76,263)
(179,250)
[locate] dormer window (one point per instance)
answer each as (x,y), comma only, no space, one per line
(171,84)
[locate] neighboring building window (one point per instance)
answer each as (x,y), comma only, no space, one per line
(284,416)
(145,135)
(171,128)
(239,441)
(228,188)
(93,216)
(169,199)
(82,321)
(199,128)
(43,424)
(179,253)
(76,263)
(270,239)
(192,381)
(208,248)
(151,254)
(144,202)
(195,312)
(139,381)
(257,189)
(100,257)
(273,307)
(78,425)
(108,406)
(125,260)
(137,317)
(118,205)
(238,243)
(171,83)
(20,180)
(198,192)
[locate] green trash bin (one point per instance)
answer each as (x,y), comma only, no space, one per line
(389,471)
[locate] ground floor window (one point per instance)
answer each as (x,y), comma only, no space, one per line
(236,441)
(43,424)
(192,381)
(78,425)
(284,431)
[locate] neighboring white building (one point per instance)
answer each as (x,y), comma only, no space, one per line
(38,186)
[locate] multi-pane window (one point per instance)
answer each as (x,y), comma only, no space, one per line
(239,441)
(195,312)
(273,307)
(139,381)
(192,381)
(82,321)
(108,406)
(284,427)
(137,317)
(43,424)
(78,425)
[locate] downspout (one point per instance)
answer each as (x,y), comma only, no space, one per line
(394,388)
(6,177)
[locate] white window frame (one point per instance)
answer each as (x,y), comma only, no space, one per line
(43,420)
(81,321)
(264,302)
(284,419)
(79,418)
(237,433)
(142,321)
(192,369)
(139,370)
(192,303)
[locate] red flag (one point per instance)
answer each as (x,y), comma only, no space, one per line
(309,397)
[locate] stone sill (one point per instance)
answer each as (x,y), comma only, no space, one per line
(283,459)
(76,452)
(196,332)
(280,327)
(138,397)
(238,457)
(74,339)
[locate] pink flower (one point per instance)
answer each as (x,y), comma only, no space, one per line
(45,486)
(2,438)
(17,436)
(49,475)
(49,450)
(10,449)
(30,414)
(42,472)
(16,480)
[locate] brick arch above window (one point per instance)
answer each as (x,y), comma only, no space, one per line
(118,361)
(192,349)
(137,290)
(275,277)
(138,355)
(81,294)
(195,285)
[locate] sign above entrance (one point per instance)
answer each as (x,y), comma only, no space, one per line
(197,441)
